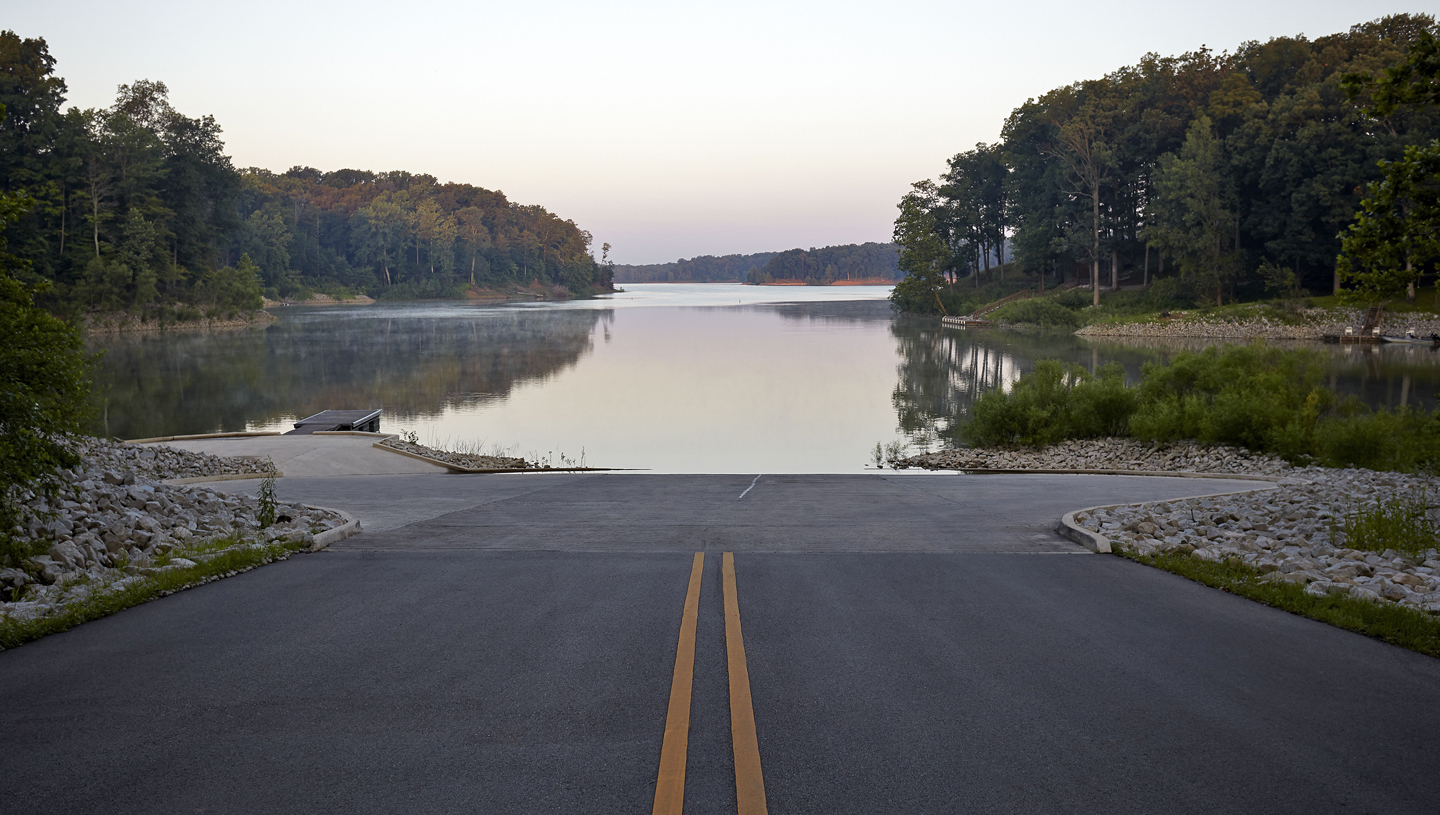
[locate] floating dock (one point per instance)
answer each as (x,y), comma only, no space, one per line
(367,421)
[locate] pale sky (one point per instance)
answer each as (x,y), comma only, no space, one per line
(667,129)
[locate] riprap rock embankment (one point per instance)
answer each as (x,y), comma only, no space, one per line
(115,521)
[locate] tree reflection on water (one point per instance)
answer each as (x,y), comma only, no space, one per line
(408,365)
(942,371)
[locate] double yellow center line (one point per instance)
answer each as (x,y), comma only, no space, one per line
(749,782)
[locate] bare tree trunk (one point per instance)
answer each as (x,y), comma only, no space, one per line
(1410,288)
(1114,269)
(1095,245)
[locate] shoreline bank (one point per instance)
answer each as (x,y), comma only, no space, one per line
(104,324)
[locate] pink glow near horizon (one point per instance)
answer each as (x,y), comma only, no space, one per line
(668,131)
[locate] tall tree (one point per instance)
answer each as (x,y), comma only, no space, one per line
(1193,218)
(1080,146)
(922,253)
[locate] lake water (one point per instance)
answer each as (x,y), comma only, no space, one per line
(669,377)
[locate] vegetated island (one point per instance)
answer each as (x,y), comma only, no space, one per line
(1276,191)
(863,264)
(138,219)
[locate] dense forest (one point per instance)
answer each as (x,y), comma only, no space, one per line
(702,269)
(819,267)
(1232,174)
(832,264)
(137,208)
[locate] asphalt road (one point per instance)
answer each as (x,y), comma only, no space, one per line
(915,644)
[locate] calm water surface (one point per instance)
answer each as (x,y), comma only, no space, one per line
(674,378)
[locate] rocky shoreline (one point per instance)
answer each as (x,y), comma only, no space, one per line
(1310,324)
(1293,531)
(1103,454)
(115,522)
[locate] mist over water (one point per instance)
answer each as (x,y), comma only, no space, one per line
(669,377)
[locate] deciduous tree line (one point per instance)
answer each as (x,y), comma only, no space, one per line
(137,207)
(1223,170)
(819,267)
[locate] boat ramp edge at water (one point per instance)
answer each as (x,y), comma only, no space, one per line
(457,468)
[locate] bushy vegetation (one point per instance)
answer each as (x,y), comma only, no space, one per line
(1039,311)
(1262,399)
(1054,402)
(44,386)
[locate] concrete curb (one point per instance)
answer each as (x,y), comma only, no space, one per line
(1099,544)
(202,479)
(350,528)
(239,435)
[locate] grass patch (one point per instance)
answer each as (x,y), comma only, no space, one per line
(1402,524)
(1426,302)
(1039,311)
(219,557)
(1395,624)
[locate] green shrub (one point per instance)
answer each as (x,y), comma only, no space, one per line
(1053,402)
(1073,299)
(1040,311)
(1102,405)
(1262,399)
(1402,440)
(1168,293)
(1249,396)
